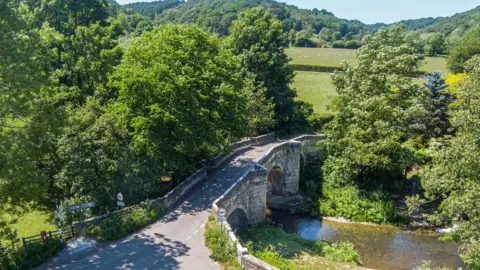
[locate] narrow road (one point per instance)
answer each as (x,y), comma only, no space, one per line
(175,241)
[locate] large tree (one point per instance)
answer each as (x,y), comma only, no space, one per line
(465,49)
(376,113)
(454,177)
(258,39)
(436,104)
(184,95)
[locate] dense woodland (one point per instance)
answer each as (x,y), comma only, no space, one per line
(97,98)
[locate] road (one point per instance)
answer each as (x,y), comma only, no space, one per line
(175,241)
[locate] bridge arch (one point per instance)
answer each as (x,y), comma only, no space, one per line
(238,219)
(276,178)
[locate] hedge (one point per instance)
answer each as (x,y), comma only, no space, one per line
(330,69)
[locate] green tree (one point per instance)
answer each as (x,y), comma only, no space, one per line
(304,39)
(258,39)
(464,50)
(376,113)
(436,105)
(454,177)
(183,95)
(435,44)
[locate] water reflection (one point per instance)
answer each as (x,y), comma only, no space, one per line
(379,247)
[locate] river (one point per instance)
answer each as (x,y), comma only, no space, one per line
(379,247)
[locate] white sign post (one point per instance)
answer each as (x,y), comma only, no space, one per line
(221,217)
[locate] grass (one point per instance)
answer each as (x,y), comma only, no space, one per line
(221,250)
(34,222)
(334,57)
(289,251)
(315,88)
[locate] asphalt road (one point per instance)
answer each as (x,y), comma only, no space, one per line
(175,241)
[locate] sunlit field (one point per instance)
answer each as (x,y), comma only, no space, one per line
(334,57)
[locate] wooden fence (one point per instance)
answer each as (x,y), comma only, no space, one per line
(67,234)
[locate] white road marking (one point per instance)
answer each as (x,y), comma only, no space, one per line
(195,232)
(203,225)
(189,237)
(155,263)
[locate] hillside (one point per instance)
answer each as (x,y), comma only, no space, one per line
(152,9)
(217,15)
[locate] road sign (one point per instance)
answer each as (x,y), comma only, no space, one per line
(221,212)
(221,219)
(120,196)
(121,204)
(81,206)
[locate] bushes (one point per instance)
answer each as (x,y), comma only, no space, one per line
(349,203)
(275,246)
(222,250)
(330,69)
(341,252)
(314,68)
(30,256)
(122,223)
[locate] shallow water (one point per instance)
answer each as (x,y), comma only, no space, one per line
(379,247)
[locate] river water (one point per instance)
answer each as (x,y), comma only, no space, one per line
(379,247)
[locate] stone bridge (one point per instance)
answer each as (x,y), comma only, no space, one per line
(275,175)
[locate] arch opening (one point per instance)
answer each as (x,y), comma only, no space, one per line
(238,219)
(276,178)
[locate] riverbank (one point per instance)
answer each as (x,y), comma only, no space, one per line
(378,246)
(288,251)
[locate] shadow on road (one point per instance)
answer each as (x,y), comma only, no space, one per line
(140,251)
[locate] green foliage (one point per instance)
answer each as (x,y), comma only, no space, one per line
(436,105)
(127,221)
(270,256)
(31,256)
(153,9)
(341,252)
(277,247)
(348,202)
(304,39)
(258,40)
(376,112)
(221,249)
(465,50)
(435,44)
(218,16)
(453,176)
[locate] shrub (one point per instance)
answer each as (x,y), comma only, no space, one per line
(122,223)
(349,203)
(331,69)
(341,252)
(222,250)
(30,256)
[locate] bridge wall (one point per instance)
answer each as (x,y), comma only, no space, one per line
(249,193)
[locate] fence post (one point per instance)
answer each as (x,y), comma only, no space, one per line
(73,232)
(50,234)
(23,241)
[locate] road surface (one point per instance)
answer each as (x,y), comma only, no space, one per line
(175,241)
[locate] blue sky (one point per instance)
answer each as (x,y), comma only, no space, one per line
(387,11)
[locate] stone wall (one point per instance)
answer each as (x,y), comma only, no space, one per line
(177,195)
(250,191)
(287,157)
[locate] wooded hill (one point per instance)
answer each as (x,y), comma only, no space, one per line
(217,15)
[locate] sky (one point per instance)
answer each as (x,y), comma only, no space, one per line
(386,11)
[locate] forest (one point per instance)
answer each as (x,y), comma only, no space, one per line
(98,98)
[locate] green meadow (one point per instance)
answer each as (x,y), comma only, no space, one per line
(334,57)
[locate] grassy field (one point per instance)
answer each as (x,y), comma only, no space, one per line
(315,88)
(35,221)
(334,57)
